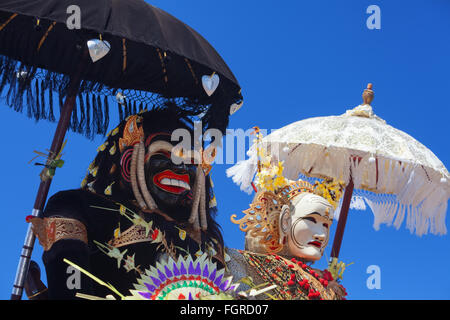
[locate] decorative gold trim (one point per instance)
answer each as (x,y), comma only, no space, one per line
(45,35)
(8,21)
(37,294)
(166,79)
(192,70)
(132,134)
(261,220)
(134,234)
(51,230)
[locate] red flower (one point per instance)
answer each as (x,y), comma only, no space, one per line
(155,234)
(290,283)
(294,260)
(291,266)
(304,283)
(327,275)
(313,294)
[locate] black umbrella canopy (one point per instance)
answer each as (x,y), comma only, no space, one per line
(154,60)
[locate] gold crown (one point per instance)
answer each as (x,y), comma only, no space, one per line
(329,189)
(261,219)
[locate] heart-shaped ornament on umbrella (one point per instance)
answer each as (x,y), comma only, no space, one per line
(98,49)
(235,107)
(210,83)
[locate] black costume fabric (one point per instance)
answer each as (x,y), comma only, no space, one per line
(154,59)
(101,223)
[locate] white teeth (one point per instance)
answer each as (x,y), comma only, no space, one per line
(175,183)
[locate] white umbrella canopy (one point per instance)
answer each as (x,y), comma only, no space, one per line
(393,173)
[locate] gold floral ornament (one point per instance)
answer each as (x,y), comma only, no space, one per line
(331,190)
(270,175)
(132,134)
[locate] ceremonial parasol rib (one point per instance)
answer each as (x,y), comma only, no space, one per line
(384,167)
(126,51)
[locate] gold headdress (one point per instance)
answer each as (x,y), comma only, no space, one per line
(261,219)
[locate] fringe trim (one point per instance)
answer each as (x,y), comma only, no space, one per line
(21,84)
(398,190)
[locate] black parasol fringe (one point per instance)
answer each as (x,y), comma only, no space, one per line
(14,96)
(42,101)
(95,120)
(134,108)
(81,124)
(87,131)
(106,114)
(31,107)
(21,84)
(99,115)
(37,99)
(51,115)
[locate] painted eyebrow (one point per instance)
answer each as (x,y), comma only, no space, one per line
(312,214)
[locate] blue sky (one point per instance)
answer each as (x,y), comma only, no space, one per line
(294,60)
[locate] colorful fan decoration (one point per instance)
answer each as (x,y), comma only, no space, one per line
(184,279)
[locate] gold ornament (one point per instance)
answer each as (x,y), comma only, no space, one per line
(132,134)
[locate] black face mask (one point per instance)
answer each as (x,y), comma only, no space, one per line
(170,185)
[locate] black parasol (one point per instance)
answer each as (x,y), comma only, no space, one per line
(89,55)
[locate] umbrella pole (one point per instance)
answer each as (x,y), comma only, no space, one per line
(342,219)
(58,138)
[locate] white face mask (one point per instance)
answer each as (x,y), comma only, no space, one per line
(306,226)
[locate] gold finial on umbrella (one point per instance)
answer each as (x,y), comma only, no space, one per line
(368,94)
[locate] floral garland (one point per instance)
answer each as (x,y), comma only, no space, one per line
(289,275)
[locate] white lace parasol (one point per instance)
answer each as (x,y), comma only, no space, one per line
(392,172)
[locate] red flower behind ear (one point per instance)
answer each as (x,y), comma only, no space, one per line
(155,234)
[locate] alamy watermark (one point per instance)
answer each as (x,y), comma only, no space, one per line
(193,150)
(374,280)
(374,20)
(74,279)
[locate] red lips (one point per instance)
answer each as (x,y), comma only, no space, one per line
(170,175)
(316,244)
